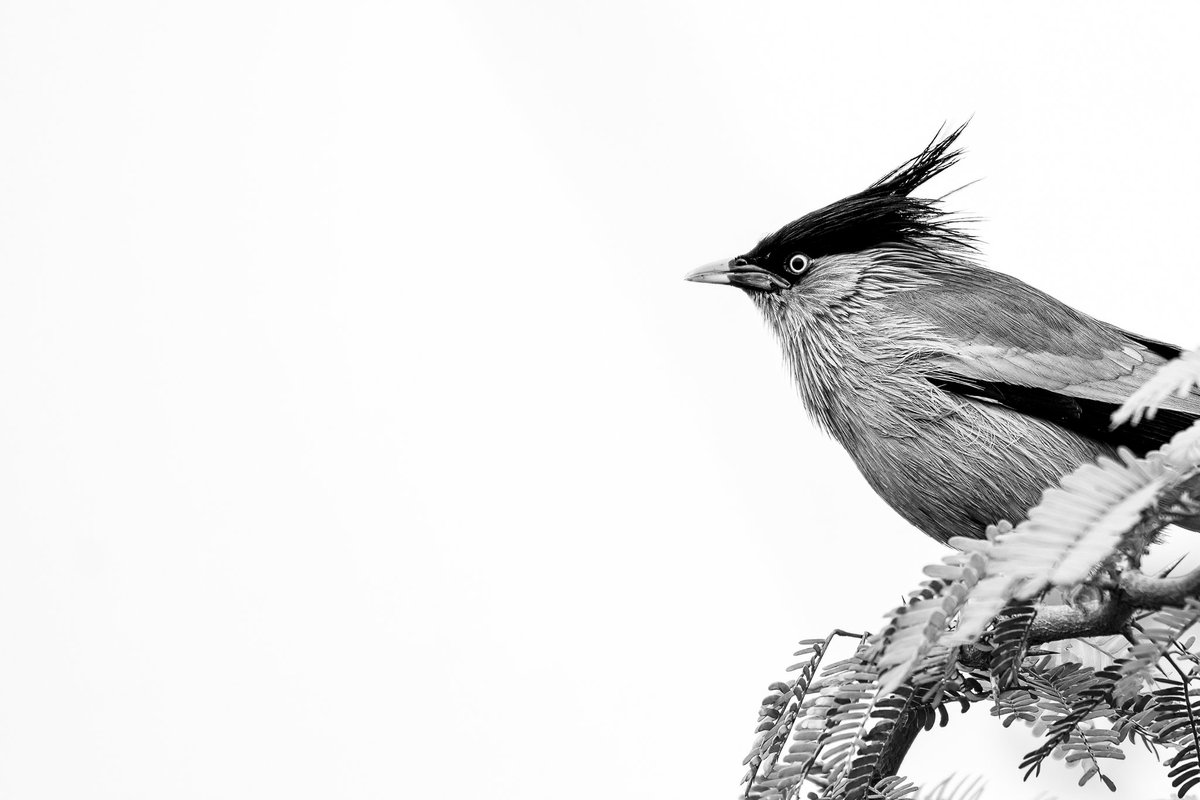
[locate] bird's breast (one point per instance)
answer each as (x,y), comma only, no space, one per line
(954,474)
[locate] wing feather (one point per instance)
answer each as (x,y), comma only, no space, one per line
(1002,341)
(1106,379)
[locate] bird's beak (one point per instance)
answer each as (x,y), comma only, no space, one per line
(713,272)
(738,272)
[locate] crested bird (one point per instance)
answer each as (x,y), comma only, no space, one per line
(960,393)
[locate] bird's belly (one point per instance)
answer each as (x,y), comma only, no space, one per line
(959,474)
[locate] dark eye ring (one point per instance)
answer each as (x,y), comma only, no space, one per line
(798,263)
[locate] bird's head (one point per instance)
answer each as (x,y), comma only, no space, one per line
(815,262)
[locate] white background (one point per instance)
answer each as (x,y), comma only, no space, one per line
(360,438)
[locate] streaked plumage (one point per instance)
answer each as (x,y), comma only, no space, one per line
(960,393)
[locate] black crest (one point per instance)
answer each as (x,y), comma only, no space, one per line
(882,213)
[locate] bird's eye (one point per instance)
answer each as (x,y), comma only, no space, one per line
(798,263)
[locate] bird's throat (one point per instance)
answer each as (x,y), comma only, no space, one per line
(822,361)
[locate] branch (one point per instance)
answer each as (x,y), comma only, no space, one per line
(1144,591)
(1108,616)
(907,727)
(1058,622)
(1134,590)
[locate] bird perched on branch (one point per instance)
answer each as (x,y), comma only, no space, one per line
(960,393)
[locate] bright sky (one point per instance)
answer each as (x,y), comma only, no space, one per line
(361,437)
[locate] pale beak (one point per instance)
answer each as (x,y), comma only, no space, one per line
(738,272)
(714,272)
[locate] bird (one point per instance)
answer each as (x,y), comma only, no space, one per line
(961,393)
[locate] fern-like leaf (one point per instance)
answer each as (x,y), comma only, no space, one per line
(1165,716)
(850,719)
(1185,766)
(1009,639)
(1071,697)
(914,628)
(1182,453)
(779,710)
(893,788)
(1016,704)
(1185,769)
(1177,377)
(966,788)
(835,702)
(886,715)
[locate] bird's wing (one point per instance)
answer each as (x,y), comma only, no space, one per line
(1017,347)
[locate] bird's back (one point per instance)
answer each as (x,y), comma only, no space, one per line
(1026,387)
(1007,343)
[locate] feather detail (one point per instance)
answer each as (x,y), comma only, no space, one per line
(998,340)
